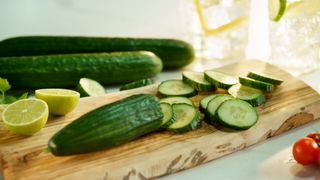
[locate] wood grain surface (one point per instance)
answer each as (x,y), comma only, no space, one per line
(161,153)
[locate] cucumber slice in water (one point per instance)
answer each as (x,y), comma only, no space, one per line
(187,118)
(236,114)
(197,81)
(253,96)
(176,88)
(221,80)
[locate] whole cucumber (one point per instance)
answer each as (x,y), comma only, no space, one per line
(174,53)
(108,126)
(67,69)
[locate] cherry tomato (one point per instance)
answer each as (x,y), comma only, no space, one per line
(304,151)
(315,136)
(317,154)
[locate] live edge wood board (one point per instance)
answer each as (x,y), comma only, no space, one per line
(161,153)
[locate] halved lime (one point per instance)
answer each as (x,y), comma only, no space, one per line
(26,116)
(2,108)
(60,101)
(277,9)
(90,87)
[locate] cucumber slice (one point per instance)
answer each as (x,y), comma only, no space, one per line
(197,81)
(253,96)
(187,118)
(90,87)
(137,84)
(176,88)
(213,106)
(236,114)
(204,102)
(168,115)
(264,78)
(177,99)
(221,80)
(256,84)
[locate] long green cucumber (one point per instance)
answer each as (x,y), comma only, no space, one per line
(108,126)
(66,70)
(174,53)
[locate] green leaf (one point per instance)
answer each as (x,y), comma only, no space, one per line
(12,99)
(4,85)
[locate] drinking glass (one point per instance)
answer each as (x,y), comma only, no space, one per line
(218,29)
(295,38)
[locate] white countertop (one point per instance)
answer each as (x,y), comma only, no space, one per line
(270,159)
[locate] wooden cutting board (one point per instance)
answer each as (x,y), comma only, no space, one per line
(290,105)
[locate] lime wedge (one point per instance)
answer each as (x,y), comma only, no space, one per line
(26,117)
(277,9)
(60,101)
(89,87)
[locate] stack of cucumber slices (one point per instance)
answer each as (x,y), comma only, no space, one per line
(235,110)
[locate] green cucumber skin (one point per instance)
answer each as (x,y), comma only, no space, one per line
(137,84)
(197,86)
(217,83)
(262,78)
(66,70)
(174,53)
(256,84)
(108,126)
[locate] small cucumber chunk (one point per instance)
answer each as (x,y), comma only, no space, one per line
(213,106)
(197,81)
(236,114)
(90,87)
(253,96)
(176,88)
(137,84)
(221,80)
(187,118)
(177,99)
(267,87)
(264,78)
(168,115)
